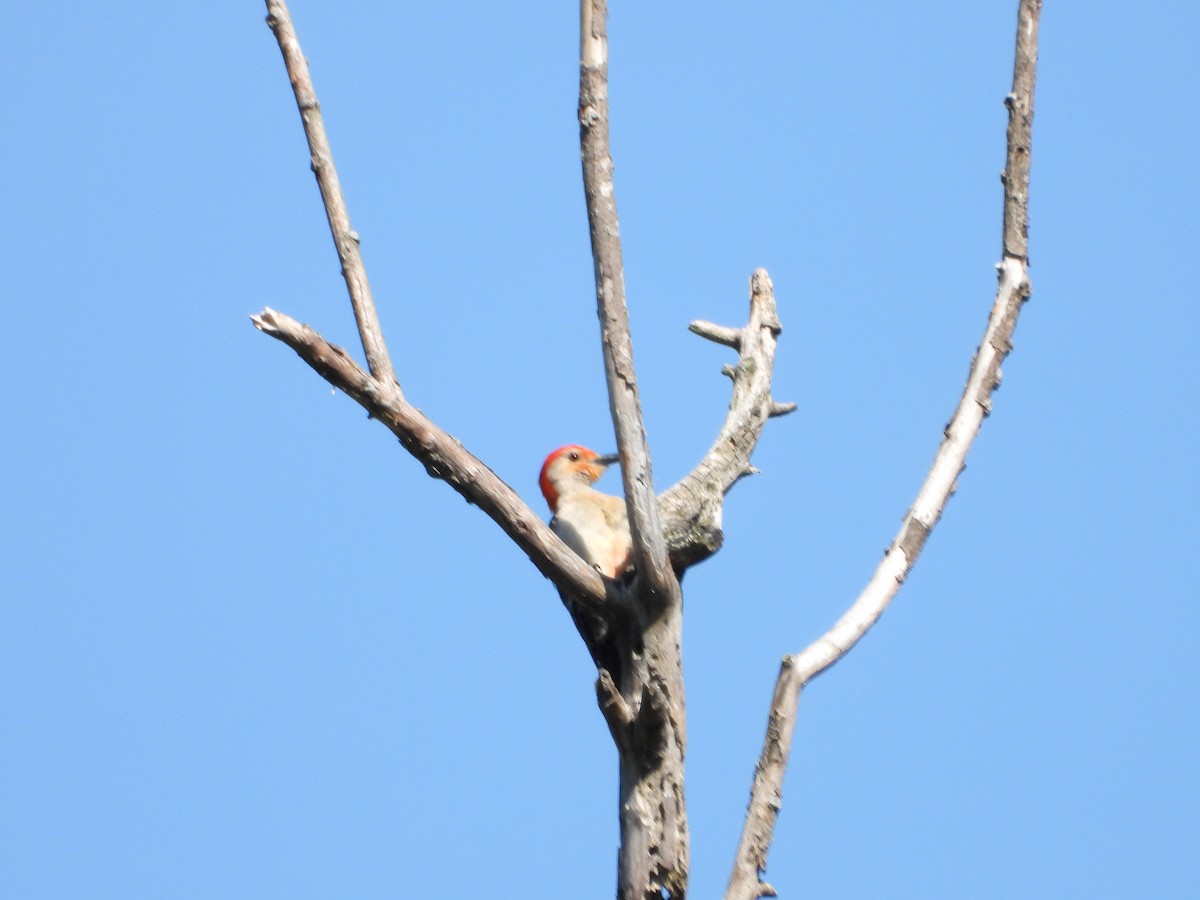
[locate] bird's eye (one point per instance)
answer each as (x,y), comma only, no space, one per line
(573,456)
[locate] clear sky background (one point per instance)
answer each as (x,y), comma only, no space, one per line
(249,649)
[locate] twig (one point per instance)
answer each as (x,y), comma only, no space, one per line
(345,238)
(796,671)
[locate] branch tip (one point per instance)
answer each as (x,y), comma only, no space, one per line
(266,321)
(781,409)
(718,334)
(760,282)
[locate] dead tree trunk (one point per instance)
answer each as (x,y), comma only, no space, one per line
(641,694)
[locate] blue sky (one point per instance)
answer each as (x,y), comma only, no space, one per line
(249,649)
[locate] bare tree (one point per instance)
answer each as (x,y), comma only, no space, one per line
(641,692)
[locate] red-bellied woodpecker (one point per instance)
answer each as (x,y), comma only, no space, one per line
(594,525)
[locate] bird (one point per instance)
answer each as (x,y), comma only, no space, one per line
(594,525)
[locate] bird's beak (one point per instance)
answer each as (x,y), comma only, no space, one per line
(606,461)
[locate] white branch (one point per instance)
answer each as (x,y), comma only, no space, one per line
(745,881)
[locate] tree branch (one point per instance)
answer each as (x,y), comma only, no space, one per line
(379,393)
(983,379)
(649,549)
(692,508)
(345,238)
(1020,130)
(446,459)
(649,725)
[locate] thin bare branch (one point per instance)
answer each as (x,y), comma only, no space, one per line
(766,792)
(446,459)
(649,549)
(345,238)
(720,334)
(692,508)
(781,409)
(1020,131)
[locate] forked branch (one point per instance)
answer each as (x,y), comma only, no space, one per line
(345,238)
(692,508)
(685,523)
(746,882)
(378,392)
